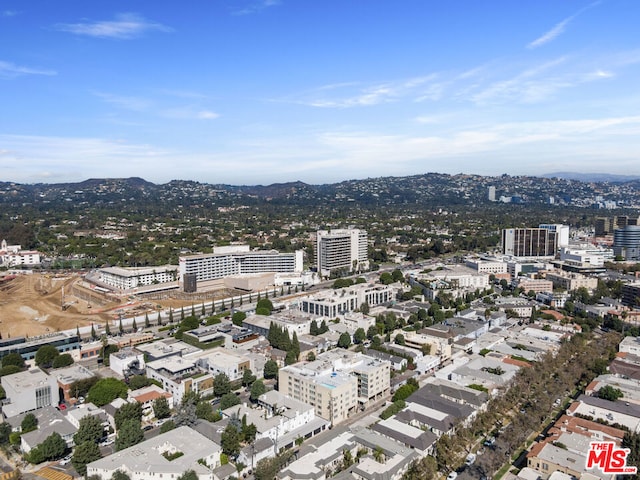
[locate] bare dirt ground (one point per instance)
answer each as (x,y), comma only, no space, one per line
(33,305)
(37,304)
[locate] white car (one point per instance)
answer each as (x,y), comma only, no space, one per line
(452,476)
(107,442)
(66,460)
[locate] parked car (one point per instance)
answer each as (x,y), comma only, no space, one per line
(66,460)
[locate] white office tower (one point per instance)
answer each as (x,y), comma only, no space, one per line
(492,193)
(341,249)
(562,233)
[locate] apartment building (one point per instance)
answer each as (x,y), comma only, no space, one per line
(571,281)
(338,383)
(341,249)
(132,278)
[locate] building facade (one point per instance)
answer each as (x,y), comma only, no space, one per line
(238,260)
(341,249)
(529,242)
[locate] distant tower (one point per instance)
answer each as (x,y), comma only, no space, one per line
(492,193)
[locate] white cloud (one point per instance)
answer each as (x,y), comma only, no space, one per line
(126,26)
(136,104)
(257,7)
(558,28)
(207,115)
(9,70)
(9,13)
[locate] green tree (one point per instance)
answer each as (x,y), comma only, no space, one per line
(13,359)
(238,317)
(344,341)
(248,377)
(258,388)
(270,369)
(188,475)
(610,393)
(230,440)
(84,454)
(128,411)
(120,475)
(167,426)
(63,360)
(161,408)
(229,400)
(129,434)
(313,328)
(204,410)
(386,278)
(399,339)
(5,431)
(106,390)
(45,355)
(359,336)
(221,385)
(90,430)
(365,308)
(138,381)
(397,275)
(265,303)
(80,388)
(53,446)
(29,423)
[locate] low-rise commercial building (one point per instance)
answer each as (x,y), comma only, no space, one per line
(29,390)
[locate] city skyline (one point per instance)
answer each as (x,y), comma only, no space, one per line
(257,92)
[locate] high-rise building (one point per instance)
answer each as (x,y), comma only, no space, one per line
(529,242)
(341,249)
(626,242)
(562,232)
(492,193)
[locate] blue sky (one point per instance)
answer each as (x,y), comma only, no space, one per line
(256,92)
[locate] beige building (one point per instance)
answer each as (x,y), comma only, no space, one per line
(439,345)
(337,384)
(571,281)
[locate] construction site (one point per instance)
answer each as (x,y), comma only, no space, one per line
(37,304)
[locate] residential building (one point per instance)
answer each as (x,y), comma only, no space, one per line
(537,285)
(158,458)
(630,345)
(631,294)
(341,249)
(14,256)
(220,360)
(146,396)
(180,375)
(571,281)
(128,361)
(337,383)
(130,279)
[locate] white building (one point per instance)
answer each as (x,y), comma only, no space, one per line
(124,361)
(585,256)
(238,260)
(332,303)
(30,390)
(156,458)
(132,278)
(14,256)
(562,232)
(341,249)
(225,361)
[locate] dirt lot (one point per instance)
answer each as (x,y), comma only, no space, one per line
(42,303)
(33,305)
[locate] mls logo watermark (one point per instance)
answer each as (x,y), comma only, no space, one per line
(609,458)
